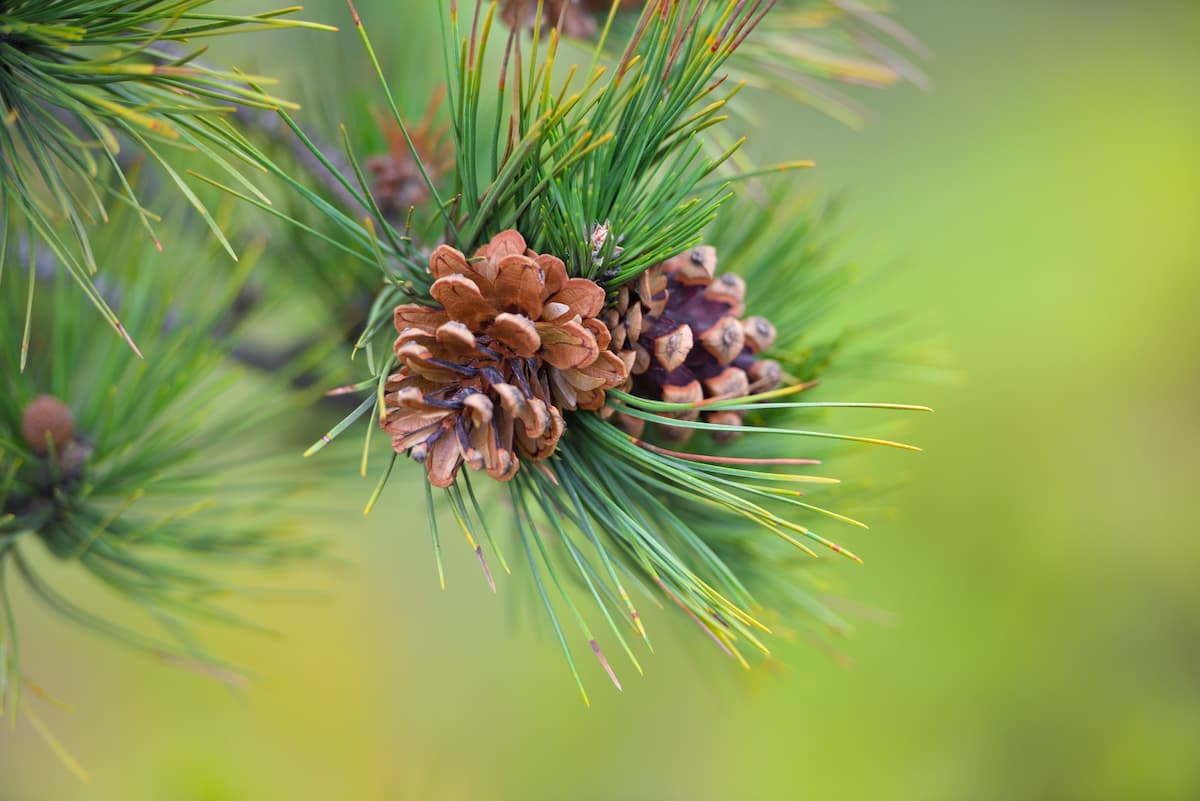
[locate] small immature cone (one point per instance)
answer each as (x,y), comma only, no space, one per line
(47,419)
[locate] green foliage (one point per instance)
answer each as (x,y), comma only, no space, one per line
(617,151)
(156,495)
(82,83)
(612,169)
(805,48)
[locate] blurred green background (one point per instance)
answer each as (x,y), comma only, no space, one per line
(1041,576)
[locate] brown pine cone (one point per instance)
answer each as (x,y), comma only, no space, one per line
(47,421)
(398,183)
(515,343)
(679,331)
(581,18)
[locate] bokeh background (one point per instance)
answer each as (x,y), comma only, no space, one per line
(1039,210)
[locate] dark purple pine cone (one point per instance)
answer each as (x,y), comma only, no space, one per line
(679,330)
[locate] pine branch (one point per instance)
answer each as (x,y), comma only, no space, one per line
(102,67)
(573,340)
(130,470)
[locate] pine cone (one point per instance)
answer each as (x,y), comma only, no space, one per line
(45,421)
(398,183)
(516,343)
(678,331)
(580,17)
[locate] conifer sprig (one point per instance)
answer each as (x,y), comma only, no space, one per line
(808,47)
(802,51)
(610,172)
(559,157)
(85,85)
(134,472)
